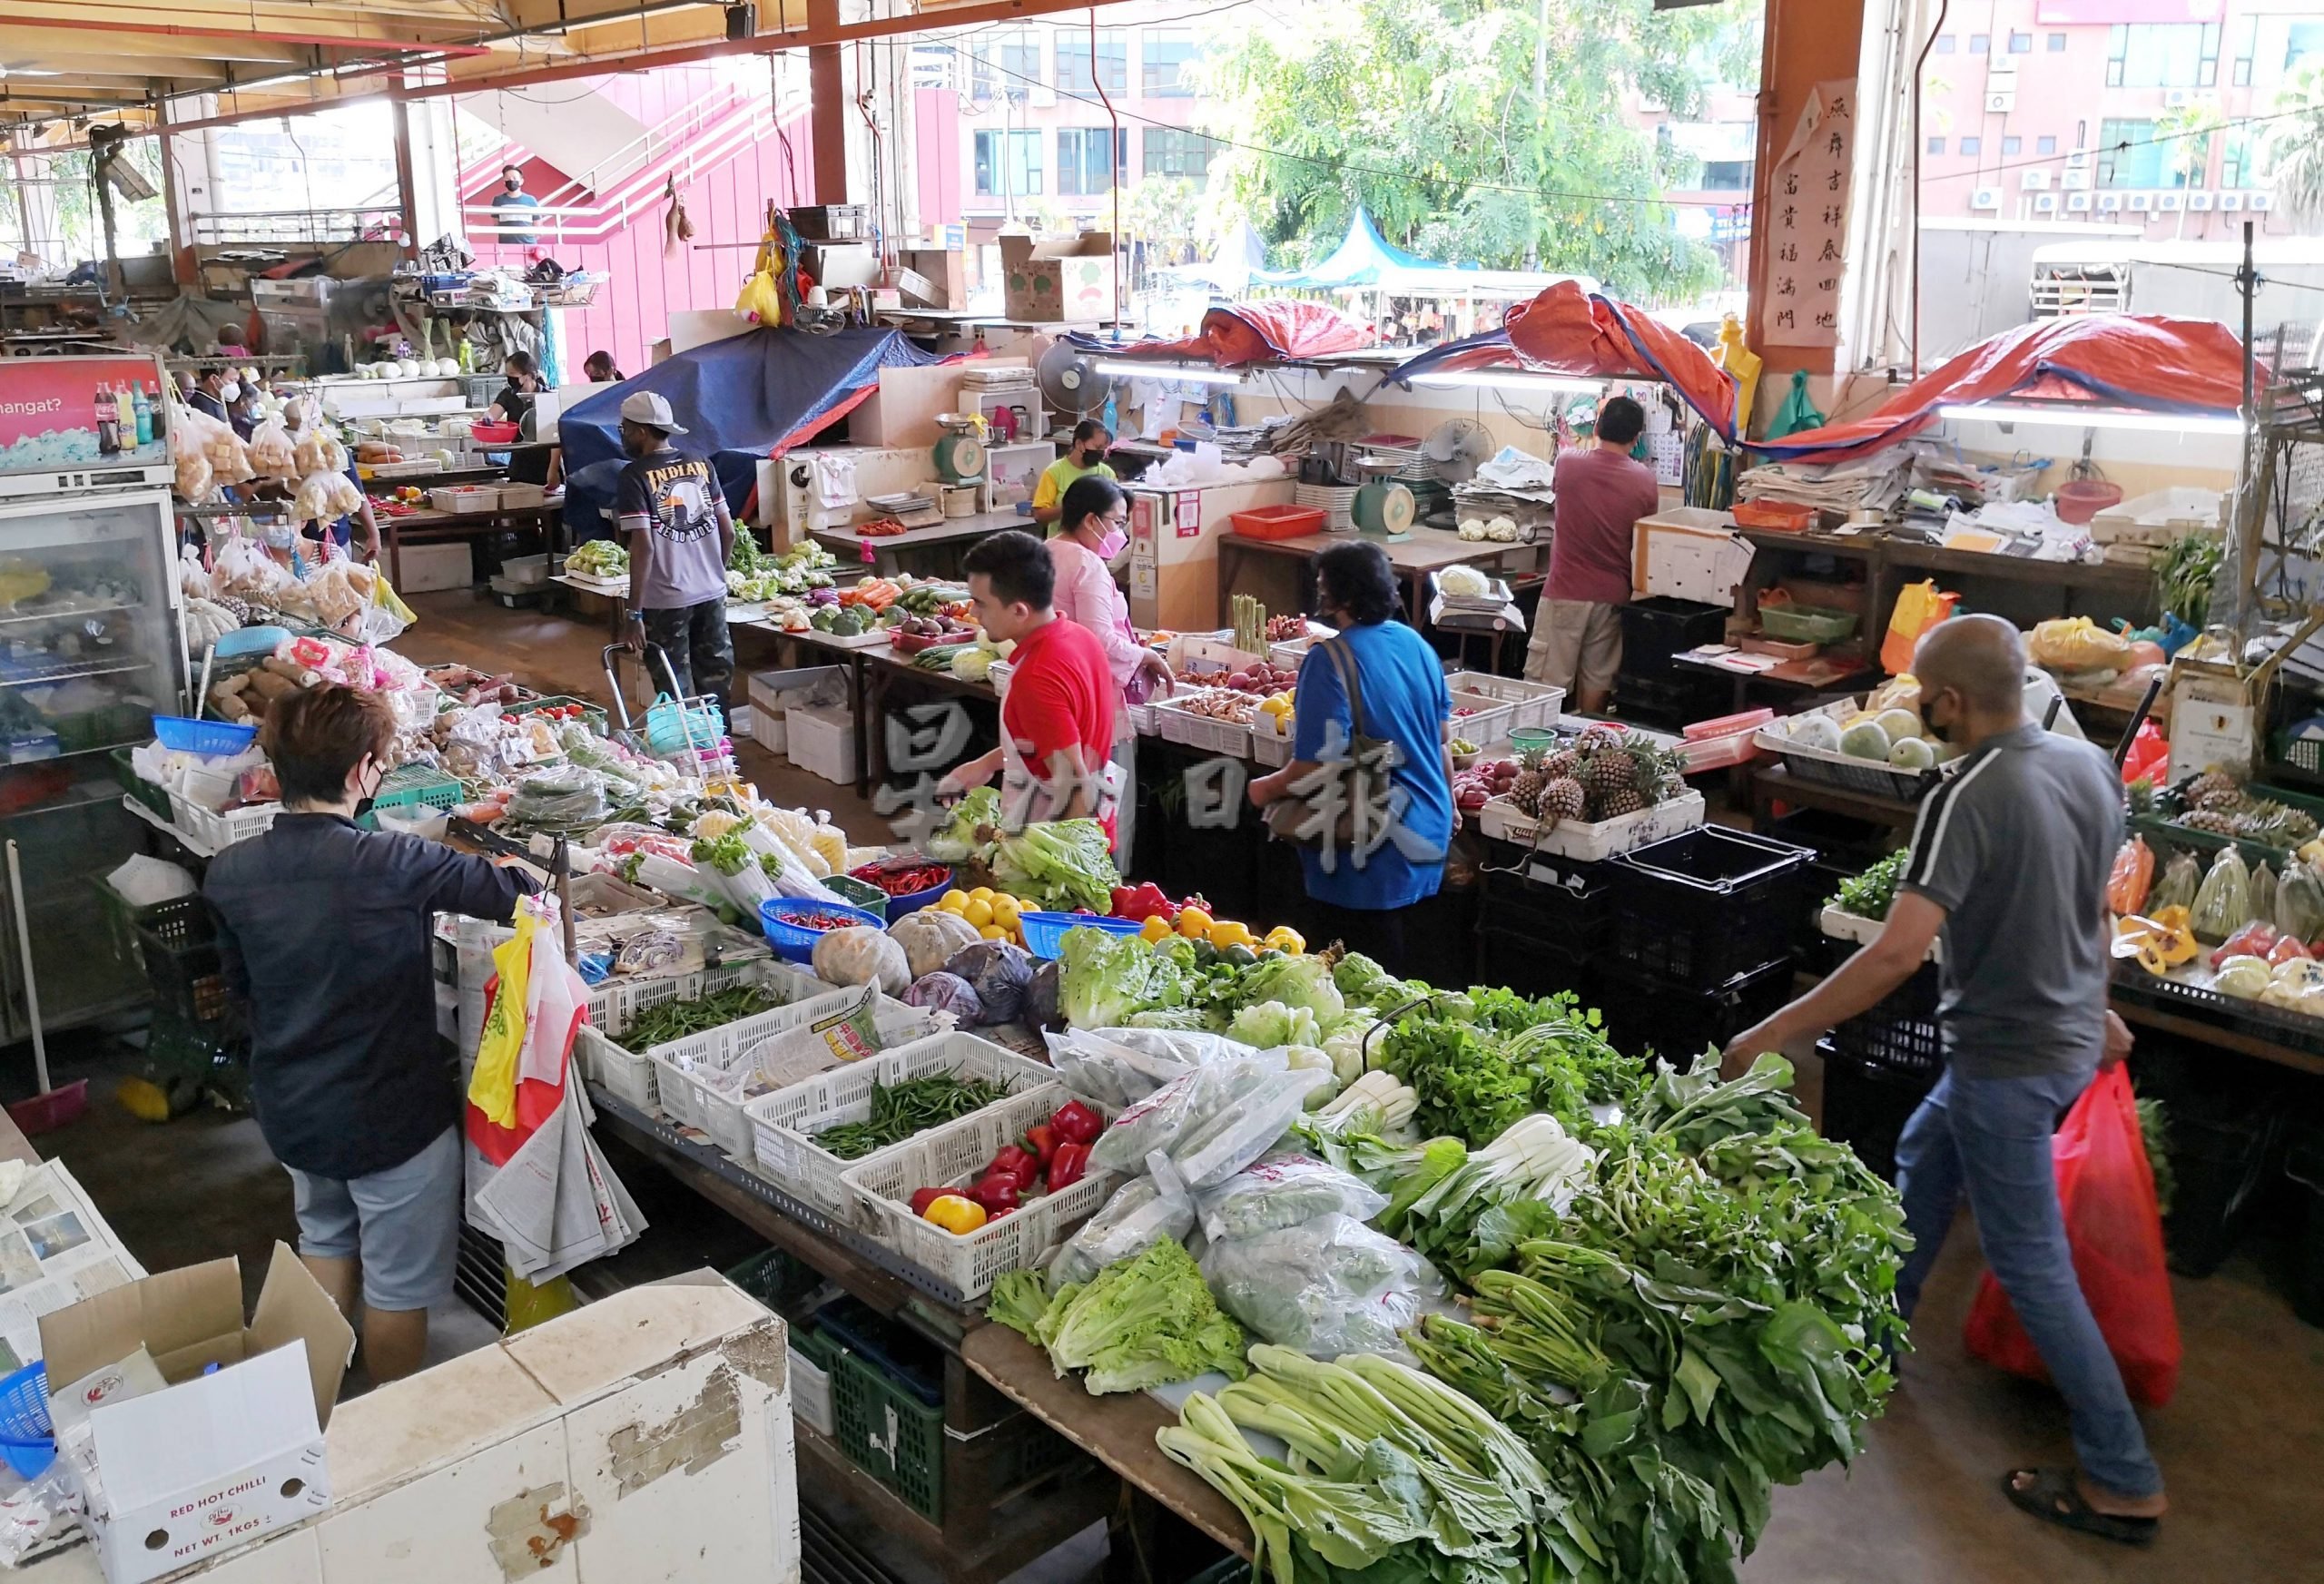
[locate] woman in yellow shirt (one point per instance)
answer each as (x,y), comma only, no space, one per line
(1086,455)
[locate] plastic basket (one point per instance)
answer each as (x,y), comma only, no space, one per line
(1277,522)
(219,831)
(26,1437)
(623,1074)
(949,1157)
(1532,703)
(1867,1104)
(889,1433)
(180,946)
(1644,1013)
(859,894)
(412,788)
(785,1125)
(183,734)
(796,942)
(153,798)
(1898,1035)
(1045,932)
(1783,517)
(908,901)
(1806,623)
(1590,840)
(1488,721)
(1704,907)
(1874,776)
(594,718)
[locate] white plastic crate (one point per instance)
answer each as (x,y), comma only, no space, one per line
(1876,777)
(461,498)
(707,1081)
(785,1125)
(1292,652)
(1838,925)
(1532,703)
(1588,841)
(1270,749)
(1142,719)
(619,1072)
(219,831)
(949,1158)
(1488,722)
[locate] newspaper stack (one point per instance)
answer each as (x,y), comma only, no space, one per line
(55,1251)
(557,1205)
(1876,480)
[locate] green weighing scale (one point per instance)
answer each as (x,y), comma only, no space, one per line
(960,455)
(1384,505)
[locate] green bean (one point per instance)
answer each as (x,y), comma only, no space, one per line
(900,1110)
(667,1021)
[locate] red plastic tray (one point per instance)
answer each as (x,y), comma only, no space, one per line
(1775,515)
(1278,522)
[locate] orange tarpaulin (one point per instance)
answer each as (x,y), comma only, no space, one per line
(1273,331)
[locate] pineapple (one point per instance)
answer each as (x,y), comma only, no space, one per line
(1608,769)
(1565,764)
(1625,799)
(1526,793)
(1562,799)
(1597,739)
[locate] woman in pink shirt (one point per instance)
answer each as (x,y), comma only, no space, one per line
(1093,525)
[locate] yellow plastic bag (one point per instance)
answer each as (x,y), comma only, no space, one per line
(384,595)
(492,1087)
(1919,607)
(2071,644)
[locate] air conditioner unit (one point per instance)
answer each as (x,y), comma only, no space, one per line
(2001,102)
(1985,198)
(2180,98)
(2046,203)
(2258,202)
(2199,202)
(2078,202)
(2078,159)
(2074,180)
(2170,202)
(2230,203)
(2110,201)
(2140,202)
(2034,181)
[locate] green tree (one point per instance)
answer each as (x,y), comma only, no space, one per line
(1162,211)
(2296,146)
(1492,131)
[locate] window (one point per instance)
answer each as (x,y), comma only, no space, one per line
(2138,165)
(1162,62)
(2162,54)
(1980,44)
(1945,44)
(2020,43)
(1082,162)
(1009,164)
(1971,145)
(2010,145)
(2046,146)
(2246,31)
(1727,176)
(2235,162)
(1936,145)
(2057,44)
(2303,46)
(1073,74)
(1169,152)
(1004,64)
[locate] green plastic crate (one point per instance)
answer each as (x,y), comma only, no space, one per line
(889,1433)
(859,894)
(1806,623)
(153,798)
(408,788)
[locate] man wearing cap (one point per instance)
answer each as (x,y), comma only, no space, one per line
(672,515)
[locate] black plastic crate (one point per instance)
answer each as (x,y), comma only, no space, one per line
(1544,896)
(2304,1170)
(1670,702)
(179,942)
(2220,1168)
(1655,629)
(1707,906)
(1899,1033)
(1647,1014)
(1530,964)
(1867,1104)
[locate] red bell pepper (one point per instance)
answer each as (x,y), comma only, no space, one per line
(922,1199)
(1072,1160)
(2254,939)
(1076,1124)
(1125,900)
(996,1192)
(1042,1140)
(1014,1161)
(2288,949)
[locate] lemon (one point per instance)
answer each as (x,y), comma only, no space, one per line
(982,894)
(978,912)
(992,932)
(1007,909)
(953,901)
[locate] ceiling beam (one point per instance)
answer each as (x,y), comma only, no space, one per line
(359,38)
(34,43)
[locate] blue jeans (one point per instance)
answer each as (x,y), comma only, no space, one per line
(1991,1137)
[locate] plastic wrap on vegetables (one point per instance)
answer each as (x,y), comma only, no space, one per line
(2244,978)
(2223,901)
(1283,1188)
(2264,895)
(1328,1286)
(2180,878)
(1138,1216)
(2299,902)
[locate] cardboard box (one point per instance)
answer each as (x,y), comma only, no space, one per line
(218,1459)
(1687,553)
(433,568)
(1054,279)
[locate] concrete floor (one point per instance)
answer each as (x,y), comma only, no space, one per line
(2240,1445)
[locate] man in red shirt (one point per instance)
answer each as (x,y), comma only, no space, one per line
(1602,494)
(1057,716)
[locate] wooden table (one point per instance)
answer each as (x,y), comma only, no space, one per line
(934,551)
(436,527)
(1775,784)
(1427,550)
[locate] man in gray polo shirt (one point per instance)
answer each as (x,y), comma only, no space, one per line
(2010,859)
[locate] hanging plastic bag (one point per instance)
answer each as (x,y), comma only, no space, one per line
(1797,415)
(1142,1213)
(2149,755)
(2106,1189)
(1919,607)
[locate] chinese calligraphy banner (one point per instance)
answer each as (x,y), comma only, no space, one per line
(1807,220)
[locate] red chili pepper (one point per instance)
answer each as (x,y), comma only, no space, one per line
(823,921)
(922,1199)
(1076,1124)
(1020,1164)
(1067,1168)
(1042,1140)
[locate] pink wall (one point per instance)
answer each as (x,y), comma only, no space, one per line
(726,204)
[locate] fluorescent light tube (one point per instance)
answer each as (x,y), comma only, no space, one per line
(1507,379)
(1201,373)
(2065,416)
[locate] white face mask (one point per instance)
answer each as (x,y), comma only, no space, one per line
(229,391)
(278,535)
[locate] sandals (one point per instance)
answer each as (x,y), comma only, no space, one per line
(2051,1496)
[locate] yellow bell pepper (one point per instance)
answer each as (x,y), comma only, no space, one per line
(1155,927)
(955,1214)
(1283,937)
(2158,944)
(1194,923)
(1227,932)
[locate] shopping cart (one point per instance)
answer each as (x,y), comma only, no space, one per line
(690,731)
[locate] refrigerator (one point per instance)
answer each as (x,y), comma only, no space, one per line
(91,646)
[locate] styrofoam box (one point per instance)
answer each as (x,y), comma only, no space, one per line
(810,1392)
(526,570)
(770,731)
(823,741)
(1586,840)
(784,1124)
(1836,924)
(433,568)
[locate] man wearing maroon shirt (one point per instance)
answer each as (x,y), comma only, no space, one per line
(1057,715)
(1602,494)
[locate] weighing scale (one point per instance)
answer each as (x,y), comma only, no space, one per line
(1383,506)
(960,455)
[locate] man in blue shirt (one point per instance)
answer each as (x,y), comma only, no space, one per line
(512,207)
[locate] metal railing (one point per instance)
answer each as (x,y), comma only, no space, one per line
(361,222)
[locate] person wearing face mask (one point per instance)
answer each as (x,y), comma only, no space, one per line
(352,1092)
(1094,529)
(514,402)
(1086,455)
(1378,680)
(512,210)
(2010,858)
(215,390)
(672,515)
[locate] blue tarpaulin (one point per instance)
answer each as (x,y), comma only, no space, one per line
(740,399)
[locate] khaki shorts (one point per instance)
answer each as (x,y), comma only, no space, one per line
(1577,644)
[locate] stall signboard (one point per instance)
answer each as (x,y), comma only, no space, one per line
(77,415)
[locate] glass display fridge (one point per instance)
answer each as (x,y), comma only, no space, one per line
(91,646)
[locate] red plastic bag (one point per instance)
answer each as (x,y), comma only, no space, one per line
(2149,755)
(2107,1190)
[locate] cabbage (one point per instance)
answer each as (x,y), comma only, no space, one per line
(1364,983)
(1105,980)
(999,973)
(1296,982)
(946,993)
(1271,1023)
(1465,582)
(1344,1043)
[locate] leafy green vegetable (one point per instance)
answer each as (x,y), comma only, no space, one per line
(1141,1322)
(1482,1062)
(1296,982)
(727,853)
(1362,982)
(1057,866)
(957,838)
(1271,1023)
(1870,895)
(1105,979)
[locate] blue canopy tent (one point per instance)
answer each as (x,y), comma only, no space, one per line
(741,399)
(1366,258)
